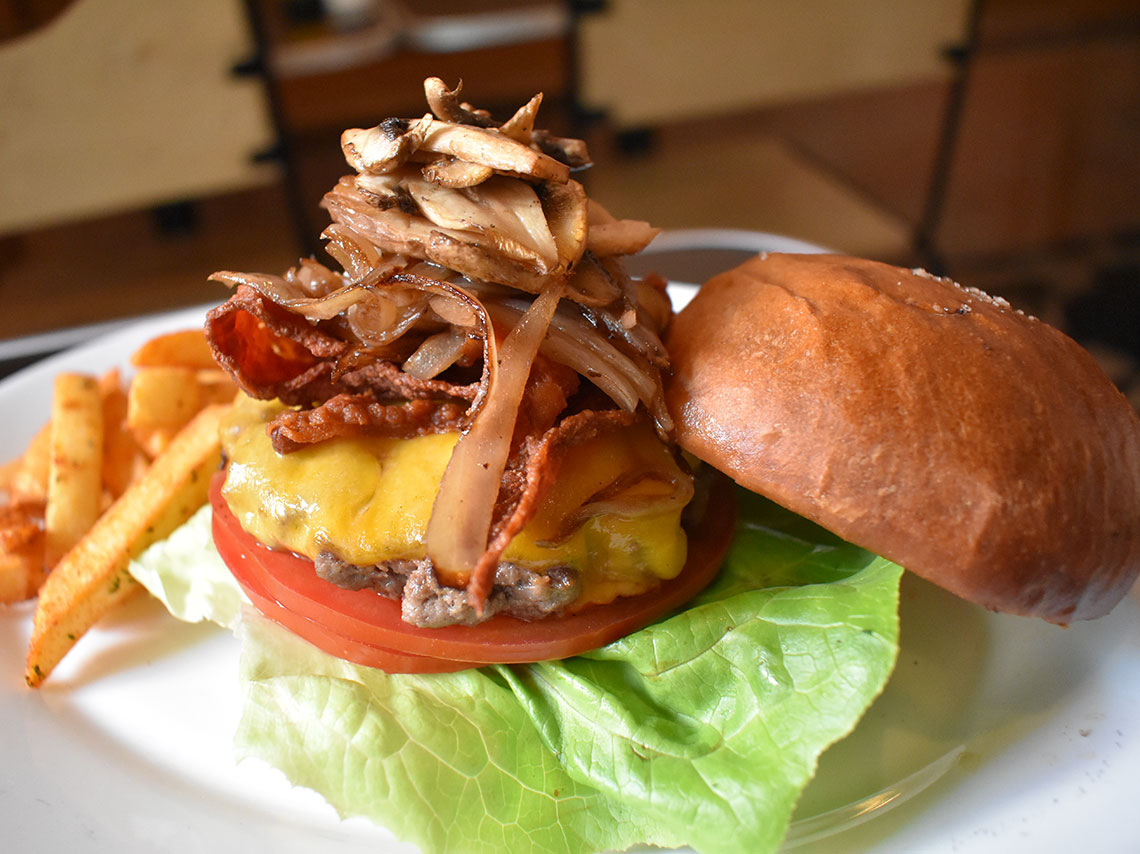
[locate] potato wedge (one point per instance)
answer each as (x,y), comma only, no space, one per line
(93,576)
(184,349)
(75,464)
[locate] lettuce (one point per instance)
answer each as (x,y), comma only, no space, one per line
(702,729)
(186,573)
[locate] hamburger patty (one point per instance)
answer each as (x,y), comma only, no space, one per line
(424,602)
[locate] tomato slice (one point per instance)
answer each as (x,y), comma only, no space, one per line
(366,628)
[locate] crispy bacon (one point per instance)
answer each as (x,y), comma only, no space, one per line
(272,352)
(356,415)
(529,473)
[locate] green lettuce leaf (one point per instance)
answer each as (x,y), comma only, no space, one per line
(702,729)
(715,718)
(186,573)
(446,761)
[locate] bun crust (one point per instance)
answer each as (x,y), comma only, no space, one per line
(976,446)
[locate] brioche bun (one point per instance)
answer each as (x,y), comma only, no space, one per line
(976,446)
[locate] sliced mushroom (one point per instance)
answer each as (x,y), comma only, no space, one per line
(612,236)
(445,104)
(469,253)
(565,207)
(591,285)
(449,172)
(491,148)
(477,262)
(620,237)
(386,146)
(520,126)
(504,210)
(572,152)
(381,190)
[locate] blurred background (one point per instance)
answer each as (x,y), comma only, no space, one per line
(144,145)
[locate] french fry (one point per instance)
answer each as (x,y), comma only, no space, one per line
(22,571)
(8,472)
(19,525)
(29,481)
(184,349)
(75,464)
(21,551)
(153,442)
(216,386)
(93,577)
(123,459)
(15,575)
(162,397)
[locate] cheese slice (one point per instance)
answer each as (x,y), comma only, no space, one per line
(368,500)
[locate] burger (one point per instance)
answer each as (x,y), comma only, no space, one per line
(486,473)
(456,450)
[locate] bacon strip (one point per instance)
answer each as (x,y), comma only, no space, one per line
(527,478)
(274,353)
(264,346)
(357,415)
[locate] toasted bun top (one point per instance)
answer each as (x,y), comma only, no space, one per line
(976,446)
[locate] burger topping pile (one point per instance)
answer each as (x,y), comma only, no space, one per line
(482,295)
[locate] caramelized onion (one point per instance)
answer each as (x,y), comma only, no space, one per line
(616,499)
(436,354)
(456,539)
(573,341)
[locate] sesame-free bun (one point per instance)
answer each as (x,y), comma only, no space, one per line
(976,446)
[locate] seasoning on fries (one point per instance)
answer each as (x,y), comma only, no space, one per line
(75,463)
(119,465)
(93,577)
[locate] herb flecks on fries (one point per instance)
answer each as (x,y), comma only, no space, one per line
(119,465)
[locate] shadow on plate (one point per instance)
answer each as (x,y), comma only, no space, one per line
(134,634)
(967,686)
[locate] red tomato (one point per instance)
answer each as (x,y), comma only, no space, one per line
(364,627)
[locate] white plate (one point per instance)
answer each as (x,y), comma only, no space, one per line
(127,747)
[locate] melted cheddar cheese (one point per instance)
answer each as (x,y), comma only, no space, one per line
(369,500)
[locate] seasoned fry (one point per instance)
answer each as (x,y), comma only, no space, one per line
(29,481)
(21,551)
(93,576)
(162,397)
(22,571)
(14,578)
(123,459)
(216,386)
(101,439)
(184,349)
(8,472)
(154,441)
(19,525)
(75,466)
